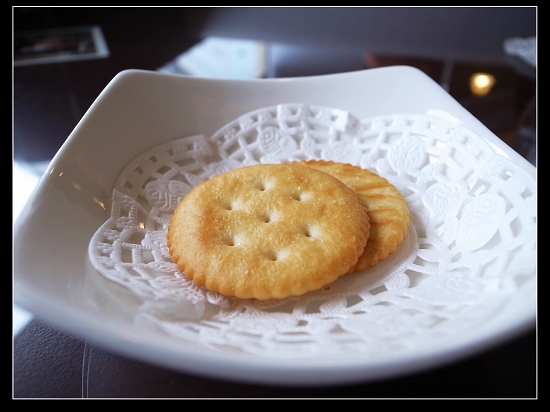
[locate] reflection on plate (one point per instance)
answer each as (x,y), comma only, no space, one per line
(471,242)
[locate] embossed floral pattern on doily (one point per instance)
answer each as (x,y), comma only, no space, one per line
(472,236)
(166,194)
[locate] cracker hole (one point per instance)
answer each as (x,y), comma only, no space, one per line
(265,218)
(270,255)
(306,232)
(260,186)
(297,196)
(228,241)
(227,206)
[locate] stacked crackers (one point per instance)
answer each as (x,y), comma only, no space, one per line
(281,230)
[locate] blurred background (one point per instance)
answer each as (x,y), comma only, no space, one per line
(63,57)
(449,44)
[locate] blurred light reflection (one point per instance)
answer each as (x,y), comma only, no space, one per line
(481,83)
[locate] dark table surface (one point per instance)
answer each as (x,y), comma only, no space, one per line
(49,363)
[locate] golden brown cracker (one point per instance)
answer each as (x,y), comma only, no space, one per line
(268,231)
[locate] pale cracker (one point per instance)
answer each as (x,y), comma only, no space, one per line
(387,209)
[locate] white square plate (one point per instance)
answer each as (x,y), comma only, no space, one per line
(139,110)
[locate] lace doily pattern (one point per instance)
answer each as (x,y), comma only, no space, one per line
(471,242)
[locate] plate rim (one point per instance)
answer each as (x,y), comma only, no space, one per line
(30,299)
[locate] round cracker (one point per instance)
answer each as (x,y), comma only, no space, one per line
(387,209)
(268,231)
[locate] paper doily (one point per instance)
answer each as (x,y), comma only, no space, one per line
(471,243)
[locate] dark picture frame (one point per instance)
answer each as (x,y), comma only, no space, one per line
(58,45)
